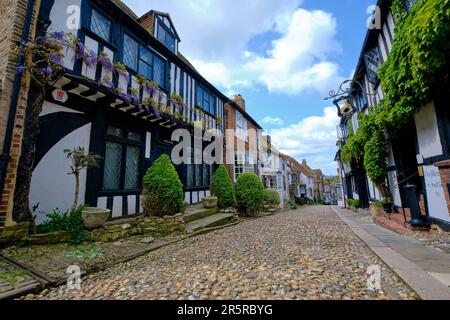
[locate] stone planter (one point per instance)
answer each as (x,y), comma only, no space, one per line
(210,202)
(94,218)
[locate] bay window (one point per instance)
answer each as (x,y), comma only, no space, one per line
(100,25)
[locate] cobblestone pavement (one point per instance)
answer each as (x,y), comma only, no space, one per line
(13,278)
(304,254)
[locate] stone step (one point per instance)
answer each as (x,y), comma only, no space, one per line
(210,221)
(197,212)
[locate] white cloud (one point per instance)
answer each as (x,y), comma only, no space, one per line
(215,35)
(272,121)
(313,138)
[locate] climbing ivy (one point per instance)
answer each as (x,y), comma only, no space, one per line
(419,60)
(418,63)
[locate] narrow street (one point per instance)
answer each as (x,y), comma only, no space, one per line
(304,254)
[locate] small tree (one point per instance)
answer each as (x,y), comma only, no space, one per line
(80,161)
(249,194)
(222,188)
(163,190)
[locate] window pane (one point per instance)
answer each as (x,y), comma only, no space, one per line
(113,164)
(132,168)
(199,97)
(130,52)
(100,25)
(116,132)
(206,175)
(145,70)
(159,72)
(146,55)
(135,136)
(198,175)
(161,34)
(190,175)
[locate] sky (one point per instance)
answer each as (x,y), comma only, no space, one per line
(283,56)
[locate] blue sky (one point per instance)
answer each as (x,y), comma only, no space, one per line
(283,56)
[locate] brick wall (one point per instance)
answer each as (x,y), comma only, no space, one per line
(12,16)
(444,170)
(230,123)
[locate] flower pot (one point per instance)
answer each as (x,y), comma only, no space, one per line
(94,218)
(210,202)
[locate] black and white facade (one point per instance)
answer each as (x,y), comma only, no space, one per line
(412,151)
(81,111)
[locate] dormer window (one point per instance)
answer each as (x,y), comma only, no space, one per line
(166,37)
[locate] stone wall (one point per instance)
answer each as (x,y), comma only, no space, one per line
(12,16)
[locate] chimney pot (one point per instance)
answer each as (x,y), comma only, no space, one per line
(239,100)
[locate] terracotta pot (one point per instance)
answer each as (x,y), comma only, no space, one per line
(210,202)
(95,218)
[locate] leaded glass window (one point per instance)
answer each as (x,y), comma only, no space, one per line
(166,38)
(372,59)
(122,160)
(113,165)
(101,25)
(205,100)
(130,52)
(132,167)
(159,71)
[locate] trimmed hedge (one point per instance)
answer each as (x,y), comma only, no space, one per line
(249,194)
(163,190)
(271,197)
(222,188)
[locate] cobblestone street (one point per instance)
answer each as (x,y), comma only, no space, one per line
(304,254)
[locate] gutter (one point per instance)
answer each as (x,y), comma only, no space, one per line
(6,153)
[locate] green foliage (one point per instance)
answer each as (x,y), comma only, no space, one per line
(418,63)
(271,197)
(419,60)
(293,205)
(90,252)
(356,203)
(249,194)
(375,156)
(300,201)
(222,188)
(70,222)
(164,188)
(378,204)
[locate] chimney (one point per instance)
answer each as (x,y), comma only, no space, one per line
(304,162)
(239,100)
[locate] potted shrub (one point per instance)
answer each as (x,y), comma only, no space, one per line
(222,188)
(271,200)
(163,191)
(249,194)
(376,208)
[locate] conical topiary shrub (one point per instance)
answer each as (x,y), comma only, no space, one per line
(163,190)
(222,188)
(249,194)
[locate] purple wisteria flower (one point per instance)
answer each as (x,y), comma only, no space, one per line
(56,59)
(20,69)
(149,89)
(47,71)
(91,58)
(125,97)
(147,108)
(156,113)
(58,35)
(79,50)
(135,99)
(106,63)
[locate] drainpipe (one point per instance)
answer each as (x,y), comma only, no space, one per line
(6,153)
